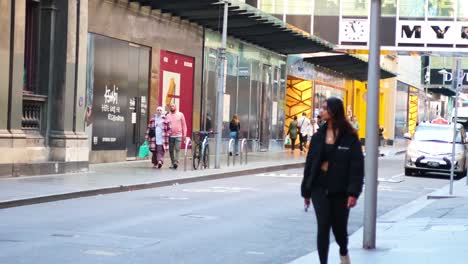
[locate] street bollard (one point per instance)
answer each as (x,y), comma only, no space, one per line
(188,142)
(231,141)
(243,150)
(204,145)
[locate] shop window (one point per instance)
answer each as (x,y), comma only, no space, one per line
(411,8)
(31,46)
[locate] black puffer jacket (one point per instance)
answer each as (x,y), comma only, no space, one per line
(345,165)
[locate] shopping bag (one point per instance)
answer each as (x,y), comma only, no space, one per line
(287,140)
(144,151)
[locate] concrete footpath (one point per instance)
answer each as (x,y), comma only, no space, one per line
(137,175)
(429,230)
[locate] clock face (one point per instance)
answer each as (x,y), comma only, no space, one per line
(354,30)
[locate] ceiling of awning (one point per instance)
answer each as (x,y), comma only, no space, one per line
(244,22)
(442,90)
(348,65)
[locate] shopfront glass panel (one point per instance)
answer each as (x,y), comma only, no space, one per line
(401,110)
(254,101)
(327,8)
(231,89)
(210,89)
(274,103)
(411,8)
(243,107)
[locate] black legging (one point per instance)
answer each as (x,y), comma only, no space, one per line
(331,212)
(302,141)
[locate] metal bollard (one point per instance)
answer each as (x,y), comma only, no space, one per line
(243,151)
(188,142)
(231,141)
(204,144)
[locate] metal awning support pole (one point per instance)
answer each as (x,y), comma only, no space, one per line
(221,77)
(372,132)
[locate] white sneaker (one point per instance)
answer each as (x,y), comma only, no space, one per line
(345,259)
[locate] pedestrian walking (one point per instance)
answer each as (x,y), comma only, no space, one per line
(234,128)
(292,132)
(381,136)
(178,132)
(333,177)
(157,134)
(313,128)
(304,124)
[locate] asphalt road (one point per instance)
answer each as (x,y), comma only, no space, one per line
(249,219)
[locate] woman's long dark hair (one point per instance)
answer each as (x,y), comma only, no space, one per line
(337,114)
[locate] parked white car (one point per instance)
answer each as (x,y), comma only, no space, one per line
(430,150)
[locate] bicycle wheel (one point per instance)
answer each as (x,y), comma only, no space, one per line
(196,155)
(206,157)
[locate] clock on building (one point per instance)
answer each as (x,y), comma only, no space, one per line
(354,30)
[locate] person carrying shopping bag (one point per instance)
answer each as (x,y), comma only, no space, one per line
(157,134)
(333,177)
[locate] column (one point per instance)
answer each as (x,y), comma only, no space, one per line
(64,38)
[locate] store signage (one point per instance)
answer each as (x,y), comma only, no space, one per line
(431,33)
(446,78)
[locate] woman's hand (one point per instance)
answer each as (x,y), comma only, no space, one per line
(352,201)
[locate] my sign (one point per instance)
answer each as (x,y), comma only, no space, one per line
(419,33)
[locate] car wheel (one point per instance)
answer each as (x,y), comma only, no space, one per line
(409,172)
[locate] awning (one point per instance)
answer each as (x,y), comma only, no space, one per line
(348,65)
(441,90)
(244,22)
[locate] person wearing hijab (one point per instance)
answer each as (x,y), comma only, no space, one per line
(157,134)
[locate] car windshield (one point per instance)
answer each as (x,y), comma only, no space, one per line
(436,134)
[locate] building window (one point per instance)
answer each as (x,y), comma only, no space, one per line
(272,6)
(31,45)
(299,7)
(327,8)
(355,7)
(389,8)
(440,8)
(462,10)
(411,8)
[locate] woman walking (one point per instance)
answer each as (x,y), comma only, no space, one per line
(234,127)
(292,132)
(333,177)
(157,134)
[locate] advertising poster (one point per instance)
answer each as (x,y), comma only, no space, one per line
(109,104)
(176,84)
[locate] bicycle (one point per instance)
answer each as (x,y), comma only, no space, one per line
(200,149)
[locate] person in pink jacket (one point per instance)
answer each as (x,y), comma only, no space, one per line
(178,132)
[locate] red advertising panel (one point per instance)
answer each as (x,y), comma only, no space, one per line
(176,84)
